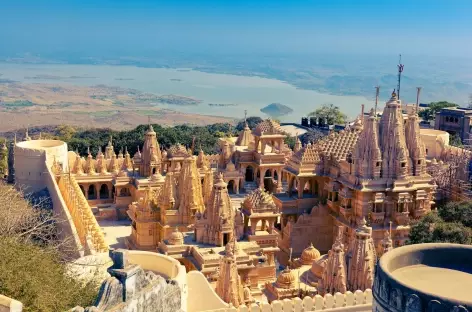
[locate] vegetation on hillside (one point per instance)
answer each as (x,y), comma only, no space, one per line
(429,113)
(329,113)
(204,137)
(452,223)
(33,270)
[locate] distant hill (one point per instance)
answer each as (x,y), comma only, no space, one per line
(276,110)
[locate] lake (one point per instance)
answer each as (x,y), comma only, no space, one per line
(248,93)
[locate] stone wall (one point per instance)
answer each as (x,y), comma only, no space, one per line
(33,157)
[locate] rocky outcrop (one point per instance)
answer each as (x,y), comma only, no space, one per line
(130,288)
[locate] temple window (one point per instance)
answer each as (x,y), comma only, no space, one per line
(403,165)
(419,162)
(377,164)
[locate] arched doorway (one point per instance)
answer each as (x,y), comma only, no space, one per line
(104,192)
(82,189)
(307,188)
(231,187)
(92,193)
(249,174)
(268,182)
(124,192)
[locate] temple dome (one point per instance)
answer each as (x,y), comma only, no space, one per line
(176,238)
(230,166)
(177,150)
(137,155)
(309,255)
(318,266)
(286,279)
(157,177)
(268,126)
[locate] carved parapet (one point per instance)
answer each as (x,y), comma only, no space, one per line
(357,301)
(378,217)
(402,218)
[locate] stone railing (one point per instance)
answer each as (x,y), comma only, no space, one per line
(88,229)
(68,230)
(10,305)
(359,301)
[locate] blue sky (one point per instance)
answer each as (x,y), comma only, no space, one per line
(433,27)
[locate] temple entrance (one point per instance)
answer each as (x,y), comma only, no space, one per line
(231,187)
(154,170)
(92,194)
(268,183)
(104,192)
(249,174)
(225,238)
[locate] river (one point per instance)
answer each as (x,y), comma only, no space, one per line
(248,93)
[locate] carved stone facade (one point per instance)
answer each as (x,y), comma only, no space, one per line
(216,224)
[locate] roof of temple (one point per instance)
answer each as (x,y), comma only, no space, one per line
(340,144)
(177,150)
(307,155)
(268,126)
(245,136)
(259,201)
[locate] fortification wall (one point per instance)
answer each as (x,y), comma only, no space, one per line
(435,142)
(198,288)
(33,157)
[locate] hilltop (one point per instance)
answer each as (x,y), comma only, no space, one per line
(276,110)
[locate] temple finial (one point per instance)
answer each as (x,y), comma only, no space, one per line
(418,90)
(377,91)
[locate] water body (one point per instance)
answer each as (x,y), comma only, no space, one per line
(249,93)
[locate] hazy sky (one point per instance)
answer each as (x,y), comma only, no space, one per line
(431,27)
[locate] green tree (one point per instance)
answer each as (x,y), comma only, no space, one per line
(33,270)
(38,278)
(331,113)
(451,224)
(3,157)
(456,140)
(251,122)
(429,113)
(312,136)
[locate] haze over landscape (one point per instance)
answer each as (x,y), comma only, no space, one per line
(309,53)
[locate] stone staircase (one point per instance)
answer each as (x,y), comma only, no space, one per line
(250,186)
(284,186)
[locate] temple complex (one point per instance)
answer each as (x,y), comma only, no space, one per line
(323,213)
